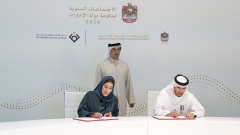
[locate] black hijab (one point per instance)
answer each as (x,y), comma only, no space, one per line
(105,104)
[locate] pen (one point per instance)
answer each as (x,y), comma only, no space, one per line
(176,112)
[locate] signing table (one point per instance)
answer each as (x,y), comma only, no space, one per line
(199,126)
(137,125)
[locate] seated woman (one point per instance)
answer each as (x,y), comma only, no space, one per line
(101,101)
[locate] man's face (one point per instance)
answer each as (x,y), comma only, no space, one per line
(115,52)
(179,90)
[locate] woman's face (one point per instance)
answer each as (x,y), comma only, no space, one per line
(107,88)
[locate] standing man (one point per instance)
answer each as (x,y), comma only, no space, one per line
(119,70)
(175,100)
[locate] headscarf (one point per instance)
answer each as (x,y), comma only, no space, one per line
(110,46)
(105,105)
(179,80)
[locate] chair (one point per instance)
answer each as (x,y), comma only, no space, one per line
(71,103)
(152,98)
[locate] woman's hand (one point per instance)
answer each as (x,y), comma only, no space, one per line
(96,115)
(109,114)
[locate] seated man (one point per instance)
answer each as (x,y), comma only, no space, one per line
(175,100)
(101,101)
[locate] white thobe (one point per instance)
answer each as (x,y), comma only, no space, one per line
(123,89)
(167,102)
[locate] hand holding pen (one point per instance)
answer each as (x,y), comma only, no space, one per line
(173,113)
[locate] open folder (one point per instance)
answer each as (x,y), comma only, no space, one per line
(172,118)
(88,119)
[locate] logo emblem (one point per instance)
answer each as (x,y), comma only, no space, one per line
(164,37)
(74,37)
(129,13)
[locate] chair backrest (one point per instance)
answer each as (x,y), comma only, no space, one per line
(71,103)
(152,98)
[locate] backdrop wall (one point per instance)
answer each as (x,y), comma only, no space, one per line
(49,47)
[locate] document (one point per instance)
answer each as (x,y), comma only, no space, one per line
(88,119)
(172,118)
